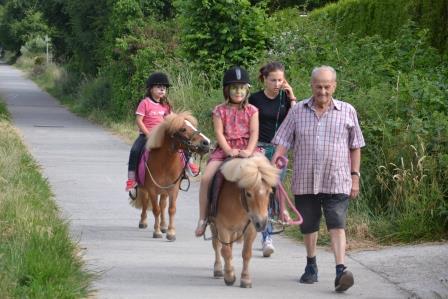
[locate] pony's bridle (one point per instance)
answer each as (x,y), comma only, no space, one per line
(188,149)
(243,200)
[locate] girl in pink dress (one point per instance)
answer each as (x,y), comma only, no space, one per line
(236,127)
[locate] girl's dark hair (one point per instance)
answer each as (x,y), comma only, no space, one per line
(270,67)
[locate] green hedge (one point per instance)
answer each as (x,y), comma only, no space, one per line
(386,17)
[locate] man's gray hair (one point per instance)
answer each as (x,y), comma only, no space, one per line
(318,69)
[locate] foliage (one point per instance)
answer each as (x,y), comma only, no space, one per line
(159,9)
(88,22)
(20,22)
(34,46)
(216,34)
(147,48)
(384,17)
(303,5)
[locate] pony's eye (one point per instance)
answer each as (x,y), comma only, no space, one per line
(248,194)
(183,130)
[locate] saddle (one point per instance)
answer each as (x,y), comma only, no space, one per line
(213,193)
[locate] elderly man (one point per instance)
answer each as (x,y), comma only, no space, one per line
(326,139)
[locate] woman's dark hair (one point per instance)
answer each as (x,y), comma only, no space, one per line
(270,67)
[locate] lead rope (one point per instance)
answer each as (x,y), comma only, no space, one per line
(281,162)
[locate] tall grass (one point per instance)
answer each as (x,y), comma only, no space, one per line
(37,257)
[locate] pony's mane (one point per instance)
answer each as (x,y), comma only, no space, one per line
(251,172)
(172,123)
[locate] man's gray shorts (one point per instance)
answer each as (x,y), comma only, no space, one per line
(310,207)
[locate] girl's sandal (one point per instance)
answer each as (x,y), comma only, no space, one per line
(200,229)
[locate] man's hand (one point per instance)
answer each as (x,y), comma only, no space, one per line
(355,187)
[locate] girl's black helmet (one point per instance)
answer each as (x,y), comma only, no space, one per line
(157,79)
(235,75)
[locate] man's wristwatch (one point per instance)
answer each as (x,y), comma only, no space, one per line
(357,173)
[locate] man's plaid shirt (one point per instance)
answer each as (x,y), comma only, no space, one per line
(321,146)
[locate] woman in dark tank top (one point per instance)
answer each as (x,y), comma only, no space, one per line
(273,103)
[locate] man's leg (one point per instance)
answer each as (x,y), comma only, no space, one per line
(338,243)
(310,241)
(335,209)
(309,207)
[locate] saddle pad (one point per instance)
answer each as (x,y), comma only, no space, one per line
(141,169)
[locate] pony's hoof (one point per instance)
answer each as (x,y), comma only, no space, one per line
(171,237)
(245,284)
(142,225)
(230,282)
(157,235)
(218,274)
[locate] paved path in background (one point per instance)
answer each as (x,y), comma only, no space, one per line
(86,167)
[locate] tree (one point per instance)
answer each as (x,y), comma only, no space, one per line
(217,34)
(20,22)
(88,22)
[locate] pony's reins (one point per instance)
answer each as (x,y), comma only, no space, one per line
(187,155)
(216,236)
(282,196)
(182,175)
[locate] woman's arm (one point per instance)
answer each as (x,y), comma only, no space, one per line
(289,92)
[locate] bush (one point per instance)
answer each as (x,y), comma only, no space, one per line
(94,94)
(217,34)
(385,18)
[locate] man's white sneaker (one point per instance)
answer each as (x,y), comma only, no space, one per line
(268,247)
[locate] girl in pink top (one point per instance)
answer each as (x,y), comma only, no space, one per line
(150,112)
(236,128)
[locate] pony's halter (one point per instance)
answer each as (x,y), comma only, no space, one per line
(201,148)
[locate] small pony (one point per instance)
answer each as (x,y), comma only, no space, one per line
(165,169)
(241,212)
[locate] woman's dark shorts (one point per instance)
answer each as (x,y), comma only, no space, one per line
(310,207)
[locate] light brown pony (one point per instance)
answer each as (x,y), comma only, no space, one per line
(165,169)
(242,210)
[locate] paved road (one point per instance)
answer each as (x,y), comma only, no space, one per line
(86,167)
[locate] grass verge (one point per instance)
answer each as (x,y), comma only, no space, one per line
(37,257)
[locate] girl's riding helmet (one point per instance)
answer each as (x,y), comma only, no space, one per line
(235,75)
(157,79)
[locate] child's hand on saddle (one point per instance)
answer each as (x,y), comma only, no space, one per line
(245,154)
(233,152)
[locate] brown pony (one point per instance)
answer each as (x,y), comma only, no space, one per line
(165,169)
(242,210)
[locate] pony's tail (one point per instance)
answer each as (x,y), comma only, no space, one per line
(138,202)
